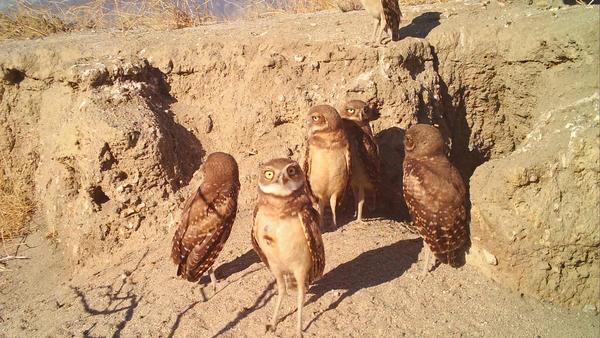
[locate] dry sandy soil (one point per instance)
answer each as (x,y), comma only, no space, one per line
(372,287)
(124,284)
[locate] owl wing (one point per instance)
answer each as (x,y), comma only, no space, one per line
(369,155)
(306,169)
(348,156)
(310,219)
(255,245)
(178,251)
(392,15)
(435,195)
(204,229)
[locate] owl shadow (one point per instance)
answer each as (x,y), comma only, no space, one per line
(371,268)
(230,268)
(421,25)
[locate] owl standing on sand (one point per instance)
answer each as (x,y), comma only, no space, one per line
(327,162)
(207,219)
(436,196)
(286,231)
(364,152)
(387,16)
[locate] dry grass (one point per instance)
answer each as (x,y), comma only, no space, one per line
(25,20)
(15,210)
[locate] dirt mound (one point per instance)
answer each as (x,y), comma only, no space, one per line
(534,212)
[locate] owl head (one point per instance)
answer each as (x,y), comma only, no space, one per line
(220,169)
(355,110)
(323,118)
(281,177)
(423,140)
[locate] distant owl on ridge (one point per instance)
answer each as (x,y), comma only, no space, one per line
(436,195)
(387,16)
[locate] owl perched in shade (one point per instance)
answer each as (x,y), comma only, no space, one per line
(387,16)
(327,161)
(286,231)
(207,218)
(436,196)
(364,152)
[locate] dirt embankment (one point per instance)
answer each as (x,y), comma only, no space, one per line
(106,130)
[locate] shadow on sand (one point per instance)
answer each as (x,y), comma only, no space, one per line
(421,25)
(369,269)
(120,297)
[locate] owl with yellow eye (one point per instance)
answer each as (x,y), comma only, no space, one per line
(286,232)
(327,161)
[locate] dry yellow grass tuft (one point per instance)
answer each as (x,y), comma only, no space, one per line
(15,210)
(25,20)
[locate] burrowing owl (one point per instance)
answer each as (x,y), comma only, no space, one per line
(327,159)
(365,156)
(286,231)
(435,194)
(207,218)
(387,16)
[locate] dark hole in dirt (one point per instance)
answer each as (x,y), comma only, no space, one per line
(14,76)
(98,196)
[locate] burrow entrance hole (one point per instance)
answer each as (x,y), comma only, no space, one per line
(13,76)
(98,196)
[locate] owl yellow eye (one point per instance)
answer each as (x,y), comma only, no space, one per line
(269,174)
(292,171)
(351,110)
(315,118)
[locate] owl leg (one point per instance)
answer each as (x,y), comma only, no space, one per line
(301,293)
(375,26)
(355,196)
(280,292)
(427,257)
(213,279)
(333,205)
(322,211)
(361,202)
(382,26)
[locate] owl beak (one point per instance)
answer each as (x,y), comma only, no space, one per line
(283,180)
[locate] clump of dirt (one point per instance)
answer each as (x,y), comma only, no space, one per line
(105,132)
(534,212)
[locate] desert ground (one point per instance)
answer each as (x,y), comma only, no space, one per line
(105,130)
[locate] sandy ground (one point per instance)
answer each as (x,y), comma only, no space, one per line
(372,287)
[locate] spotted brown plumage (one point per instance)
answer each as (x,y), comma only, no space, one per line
(387,15)
(364,152)
(392,15)
(286,231)
(207,218)
(435,194)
